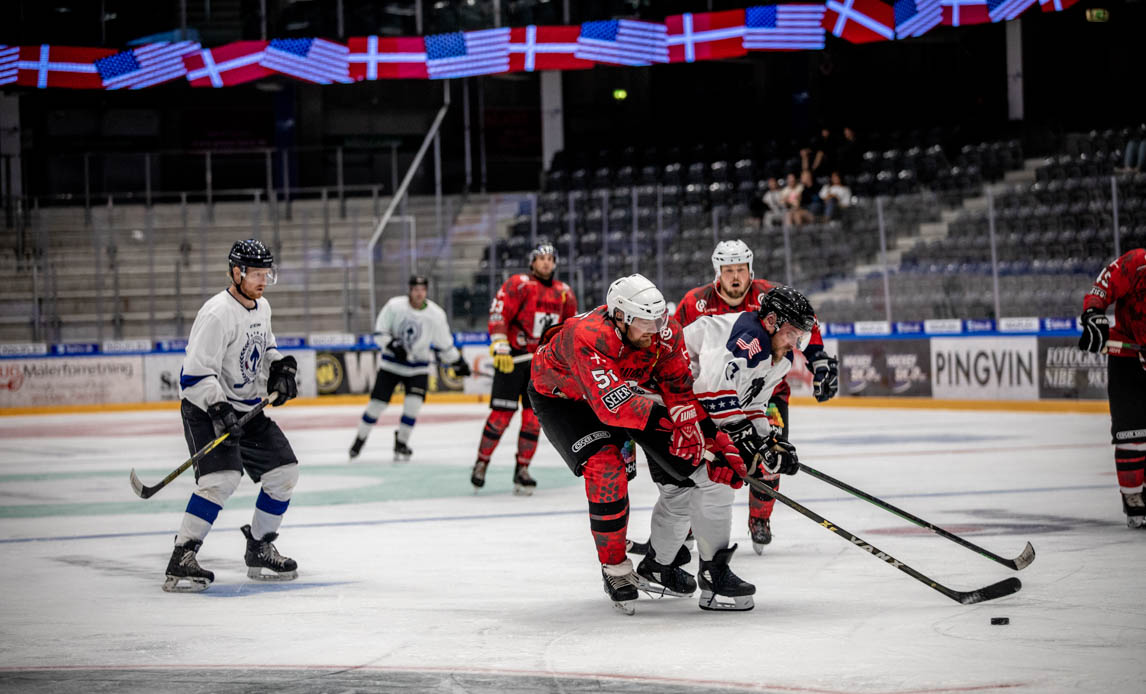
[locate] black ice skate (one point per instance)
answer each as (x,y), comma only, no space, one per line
(402,452)
(184,575)
(659,580)
(523,484)
(620,585)
(1134,507)
(720,589)
(477,477)
(261,554)
(761,531)
(356,447)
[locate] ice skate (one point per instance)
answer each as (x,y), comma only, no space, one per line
(1134,507)
(402,452)
(621,585)
(659,580)
(761,531)
(523,484)
(356,447)
(261,554)
(477,477)
(184,575)
(720,589)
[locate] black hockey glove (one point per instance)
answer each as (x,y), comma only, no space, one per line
(282,380)
(825,376)
(1095,330)
(780,457)
(397,349)
(460,368)
(748,441)
(224,420)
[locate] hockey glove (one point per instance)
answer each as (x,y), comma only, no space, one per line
(780,458)
(282,380)
(224,420)
(502,356)
(749,443)
(687,438)
(460,368)
(825,376)
(397,349)
(629,456)
(1095,330)
(725,466)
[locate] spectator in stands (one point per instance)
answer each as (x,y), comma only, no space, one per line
(790,193)
(849,157)
(801,213)
(1135,156)
(833,196)
(774,207)
(820,157)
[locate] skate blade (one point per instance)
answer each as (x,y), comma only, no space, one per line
(520,490)
(256,573)
(636,547)
(192,585)
(716,603)
(656,590)
(758,547)
(626,607)
(1136,522)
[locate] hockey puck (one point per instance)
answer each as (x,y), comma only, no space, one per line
(1000,620)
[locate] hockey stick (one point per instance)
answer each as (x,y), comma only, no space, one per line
(997,590)
(1020,562)
(144,492)
(1115,344)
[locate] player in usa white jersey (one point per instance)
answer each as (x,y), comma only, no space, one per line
(411,329)
(232,363)
(737,359)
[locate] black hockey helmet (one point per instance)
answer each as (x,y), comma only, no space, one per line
(790,306)
(543,248)
(422,280)
(250,253)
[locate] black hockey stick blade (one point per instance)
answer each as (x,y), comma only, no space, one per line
(636,547)
(1005,587)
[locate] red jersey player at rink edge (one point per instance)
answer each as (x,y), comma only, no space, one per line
(586,378)
(736,289)
(1123,283)
(524,308)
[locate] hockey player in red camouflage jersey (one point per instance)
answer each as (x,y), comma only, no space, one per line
(587,382)
(525,306)
(735,289)
(1123,283)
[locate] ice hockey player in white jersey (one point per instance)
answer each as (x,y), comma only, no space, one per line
(410,330)
(737,359)
(232,363)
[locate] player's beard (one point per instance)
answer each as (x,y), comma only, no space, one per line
(734,293)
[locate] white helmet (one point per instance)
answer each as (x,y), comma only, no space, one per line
(732,253)
(638,299)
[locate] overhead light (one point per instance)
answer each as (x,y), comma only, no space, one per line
(1098,14)
(620,94)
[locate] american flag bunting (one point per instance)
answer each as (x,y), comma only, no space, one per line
(312,60)
(623,42)
(464,54)
(784,28)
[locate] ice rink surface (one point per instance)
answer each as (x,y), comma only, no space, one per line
(410,582)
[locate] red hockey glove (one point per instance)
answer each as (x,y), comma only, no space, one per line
(725,466)
(687,437)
